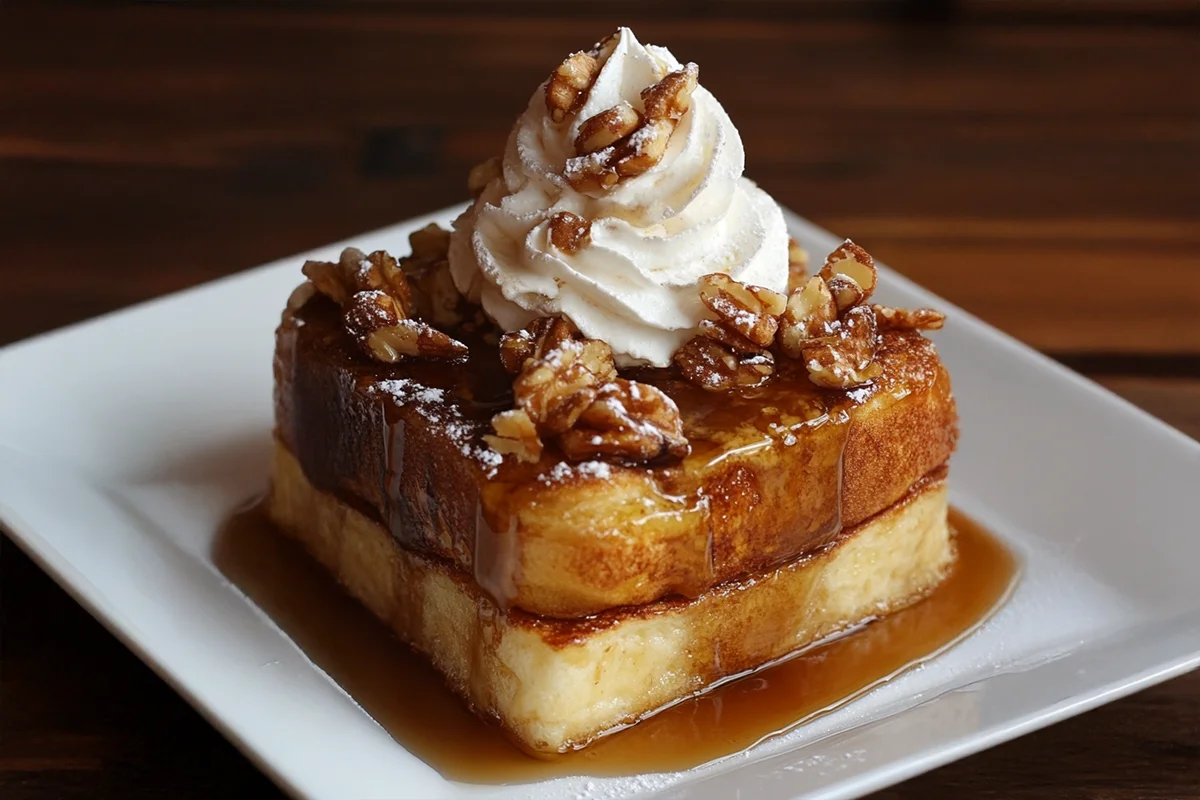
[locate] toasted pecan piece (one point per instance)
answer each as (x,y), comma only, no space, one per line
(844,358)
(855,263)
(568,87)
(482,174)
(908,319)
(711,365)
(630,422)
(569,232)
(515,435)
(377,322)
(607,128)
(671,97)
(752,311)
(809,313)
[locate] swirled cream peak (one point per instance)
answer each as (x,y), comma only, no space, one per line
(633,281)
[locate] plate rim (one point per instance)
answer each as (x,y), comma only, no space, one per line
(74,580)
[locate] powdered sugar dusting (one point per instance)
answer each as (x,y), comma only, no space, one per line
(435,406)
(564,471)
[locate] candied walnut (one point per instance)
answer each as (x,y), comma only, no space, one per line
(797,266)
(535,340)
(435,297)
(300,296)
(603,48)
(612,145)
(515,349)
(845,291)
(515,435)
(567,89)
(357,272)
(482,174)
(730,338)
(607,128)
(543,336)
(855,263)
(751,311)
(643,149)
(809,313)
(555,391)
(569,232)
(797,256)
(845,358)
(630,422)
(591,173)
(713,366)
(378,323)
(908,319)
(329,279)
(431,243)
(671,97)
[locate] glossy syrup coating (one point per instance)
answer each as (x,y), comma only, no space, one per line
(775,472)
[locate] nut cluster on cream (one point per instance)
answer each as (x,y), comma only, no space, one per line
(620,188)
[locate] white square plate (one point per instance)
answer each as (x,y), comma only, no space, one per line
(124,441)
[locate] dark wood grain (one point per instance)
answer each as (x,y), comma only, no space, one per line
(1036,163)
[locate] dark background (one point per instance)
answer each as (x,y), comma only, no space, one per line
(1035,162)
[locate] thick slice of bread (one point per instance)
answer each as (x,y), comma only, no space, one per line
(554,684)
(775,472)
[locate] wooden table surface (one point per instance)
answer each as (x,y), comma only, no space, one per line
(1036,163)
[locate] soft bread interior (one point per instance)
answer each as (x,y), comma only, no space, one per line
(556,684)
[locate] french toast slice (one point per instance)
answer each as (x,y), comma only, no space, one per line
(556,684)
(774,472)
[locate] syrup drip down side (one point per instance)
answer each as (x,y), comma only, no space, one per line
(399,689)
(542,536)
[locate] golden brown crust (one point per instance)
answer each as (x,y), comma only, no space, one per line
(404,444)
(553,684)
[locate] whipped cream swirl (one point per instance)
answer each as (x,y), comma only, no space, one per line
(653,236)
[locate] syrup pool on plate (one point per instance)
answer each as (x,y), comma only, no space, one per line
(409,699)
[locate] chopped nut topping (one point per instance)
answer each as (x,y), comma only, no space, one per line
(713,366)
(671,97)
(751,311)
(855,263)
(568,232)
(537,340)
(482,174)
(797,255)
(378,303)
(607,128)
(567,388)
(567,89)
(515,435)
(630,422)
(300,296)
(728,337)
(436,298)
(431,243)
(557,371)
(377,322)
(555,392)
(845,358)
(908,319)
(619,143)
(591,173)
(809,313)
(356,272)
(329,279)
(797,266)
(603,48)
(643,149)
(846,292)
